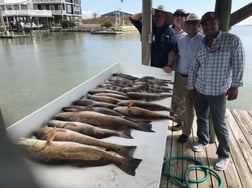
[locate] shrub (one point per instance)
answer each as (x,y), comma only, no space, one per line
(107,24)
(67,23)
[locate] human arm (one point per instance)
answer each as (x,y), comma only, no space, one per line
(238,61)
(171,57)
(136,16)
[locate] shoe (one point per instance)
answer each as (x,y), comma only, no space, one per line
(183,138)
(221,164)
(199,147)
(177,127)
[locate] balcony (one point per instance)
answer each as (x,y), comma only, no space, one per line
(34,13)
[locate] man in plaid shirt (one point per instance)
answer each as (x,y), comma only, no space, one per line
(214,76)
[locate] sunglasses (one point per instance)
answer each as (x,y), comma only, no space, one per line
(179,15)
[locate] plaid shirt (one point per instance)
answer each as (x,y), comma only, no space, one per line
(214,70)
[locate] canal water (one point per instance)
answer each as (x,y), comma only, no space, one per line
(36,70)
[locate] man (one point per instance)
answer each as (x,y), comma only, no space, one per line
(179,16)
(164,44)
(186,47)
(216,72)
(178,103)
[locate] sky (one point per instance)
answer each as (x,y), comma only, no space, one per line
(89,7)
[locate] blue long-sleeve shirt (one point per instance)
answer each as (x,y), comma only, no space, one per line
(164,42)
(214,70)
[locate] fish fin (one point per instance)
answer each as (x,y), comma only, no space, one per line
(145,126)
(129,165)
(125,133)
(131,103)
(50,136)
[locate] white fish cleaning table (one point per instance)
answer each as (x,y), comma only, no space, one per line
(150,145)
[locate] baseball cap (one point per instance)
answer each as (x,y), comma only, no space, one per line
(180,12)
(209,16)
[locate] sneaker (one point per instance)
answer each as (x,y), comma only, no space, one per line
(221,164)
(177,127)
(199,147)
(183,138)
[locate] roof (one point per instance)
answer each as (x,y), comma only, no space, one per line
(117,12)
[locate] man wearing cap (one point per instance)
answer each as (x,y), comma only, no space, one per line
(186,47)
(177,104)
(215,75)
(179,16)
(164,44)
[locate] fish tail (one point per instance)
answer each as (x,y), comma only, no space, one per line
(125,133)
(129,165)
(145,126)
(126,151)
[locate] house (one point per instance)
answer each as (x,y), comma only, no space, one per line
(45,12)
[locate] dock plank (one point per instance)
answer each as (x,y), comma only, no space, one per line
(239,170)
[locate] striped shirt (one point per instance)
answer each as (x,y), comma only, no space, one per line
(214,70)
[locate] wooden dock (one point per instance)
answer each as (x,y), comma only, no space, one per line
(239,172)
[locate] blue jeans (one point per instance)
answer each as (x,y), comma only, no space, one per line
(217,106)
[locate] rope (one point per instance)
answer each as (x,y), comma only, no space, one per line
(183,182)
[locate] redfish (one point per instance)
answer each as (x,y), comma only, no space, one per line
(72,136)
(103,121)
(144,104)
(73,153)
(88,129)
(142,113)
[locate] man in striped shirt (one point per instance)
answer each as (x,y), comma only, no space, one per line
(215,75)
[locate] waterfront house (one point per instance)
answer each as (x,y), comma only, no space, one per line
(17,13)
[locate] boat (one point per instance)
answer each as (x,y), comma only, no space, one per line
(150,145)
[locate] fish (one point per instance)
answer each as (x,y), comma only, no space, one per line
(126,76)
(142,113)
(114,95)
(103,90)
(89,130)
(62,134)
(80,155)
(103,110)
(152,79)
(103,121)
(106,99)
(143,104)
(89,102)
(148,96)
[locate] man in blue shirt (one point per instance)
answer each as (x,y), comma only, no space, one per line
(215,75)
(164,44)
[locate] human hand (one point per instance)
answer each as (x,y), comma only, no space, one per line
(232,93)
(192,95)
(167,69)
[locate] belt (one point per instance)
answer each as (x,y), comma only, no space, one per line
(184,75)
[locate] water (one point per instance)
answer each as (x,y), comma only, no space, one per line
(36,70)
